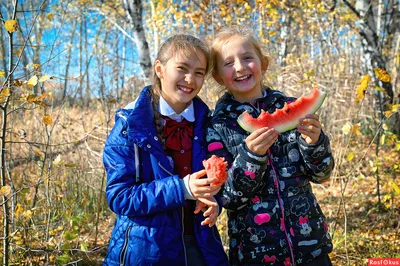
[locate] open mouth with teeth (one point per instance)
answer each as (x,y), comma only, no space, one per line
(243,78)
(185,89)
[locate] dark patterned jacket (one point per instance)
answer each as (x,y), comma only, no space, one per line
(274,218)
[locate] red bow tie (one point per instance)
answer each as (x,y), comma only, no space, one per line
(178,135)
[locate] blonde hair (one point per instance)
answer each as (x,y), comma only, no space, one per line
(236,32)
(182,44)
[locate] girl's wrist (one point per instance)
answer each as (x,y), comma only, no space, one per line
(186,188)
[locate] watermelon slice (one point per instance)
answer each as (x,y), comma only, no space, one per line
(216,166)
(286,118)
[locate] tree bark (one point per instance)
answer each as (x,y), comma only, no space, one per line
(134,14)
(373,57)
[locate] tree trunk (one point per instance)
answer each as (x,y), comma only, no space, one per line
(134,13)
(284,34)
(373,57)
(68,63)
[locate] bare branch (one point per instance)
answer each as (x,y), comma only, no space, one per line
(352,8)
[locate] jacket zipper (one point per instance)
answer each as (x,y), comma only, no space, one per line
(182,221)
(183,234)
(282,209)
(122,256)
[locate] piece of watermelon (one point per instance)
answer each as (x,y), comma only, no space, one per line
(216,167)
(286,118)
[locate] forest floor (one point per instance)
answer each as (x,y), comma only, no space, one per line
(366,230)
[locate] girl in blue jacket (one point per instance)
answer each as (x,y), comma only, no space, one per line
(153,159)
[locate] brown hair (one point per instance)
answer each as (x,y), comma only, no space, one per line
(239,32)
(182,44)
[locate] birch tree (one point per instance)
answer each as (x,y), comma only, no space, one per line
(130,15)
(377,29)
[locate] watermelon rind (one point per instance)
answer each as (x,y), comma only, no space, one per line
(250,124)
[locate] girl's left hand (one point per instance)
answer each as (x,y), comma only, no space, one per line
(208,210)
(310,128)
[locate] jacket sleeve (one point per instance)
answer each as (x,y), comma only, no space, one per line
(318,158)
(245,169)
(125,195)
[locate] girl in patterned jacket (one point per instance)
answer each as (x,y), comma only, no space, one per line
(273,216)
(153,158)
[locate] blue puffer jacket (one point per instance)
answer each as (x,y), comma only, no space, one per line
(147,196)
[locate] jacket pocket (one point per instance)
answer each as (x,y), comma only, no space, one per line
(124,249)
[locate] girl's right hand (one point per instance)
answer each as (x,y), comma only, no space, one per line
(260,140)
(209,211)
(200,187)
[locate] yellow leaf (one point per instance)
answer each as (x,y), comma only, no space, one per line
(11,25)
(346,128)
(44,78)
(387,113)
(350,156)
(47,120)
(42,96)
(395,187)
(50,95)
(5,92)
(2,73)
(383,138)
(50,16)
(43,104)
(18,210)
(381,74)
(27,214)
(38,151)
(381,90)
(32,98)
(32,81)
(5,190)
(355,129)
(362,88)
(395,108)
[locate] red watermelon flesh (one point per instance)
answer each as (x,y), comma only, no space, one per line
(286,118)
(216,167)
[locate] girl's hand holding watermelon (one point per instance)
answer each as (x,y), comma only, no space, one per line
(261,139)
(216,169)
(200,187)
(310,128)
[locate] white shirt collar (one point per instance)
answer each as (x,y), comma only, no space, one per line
(166,110)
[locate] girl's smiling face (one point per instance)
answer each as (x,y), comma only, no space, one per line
(181,78)
(240,69)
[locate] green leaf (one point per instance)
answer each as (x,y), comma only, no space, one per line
(395,187)
(63,259)
(68,235)
(84,246)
